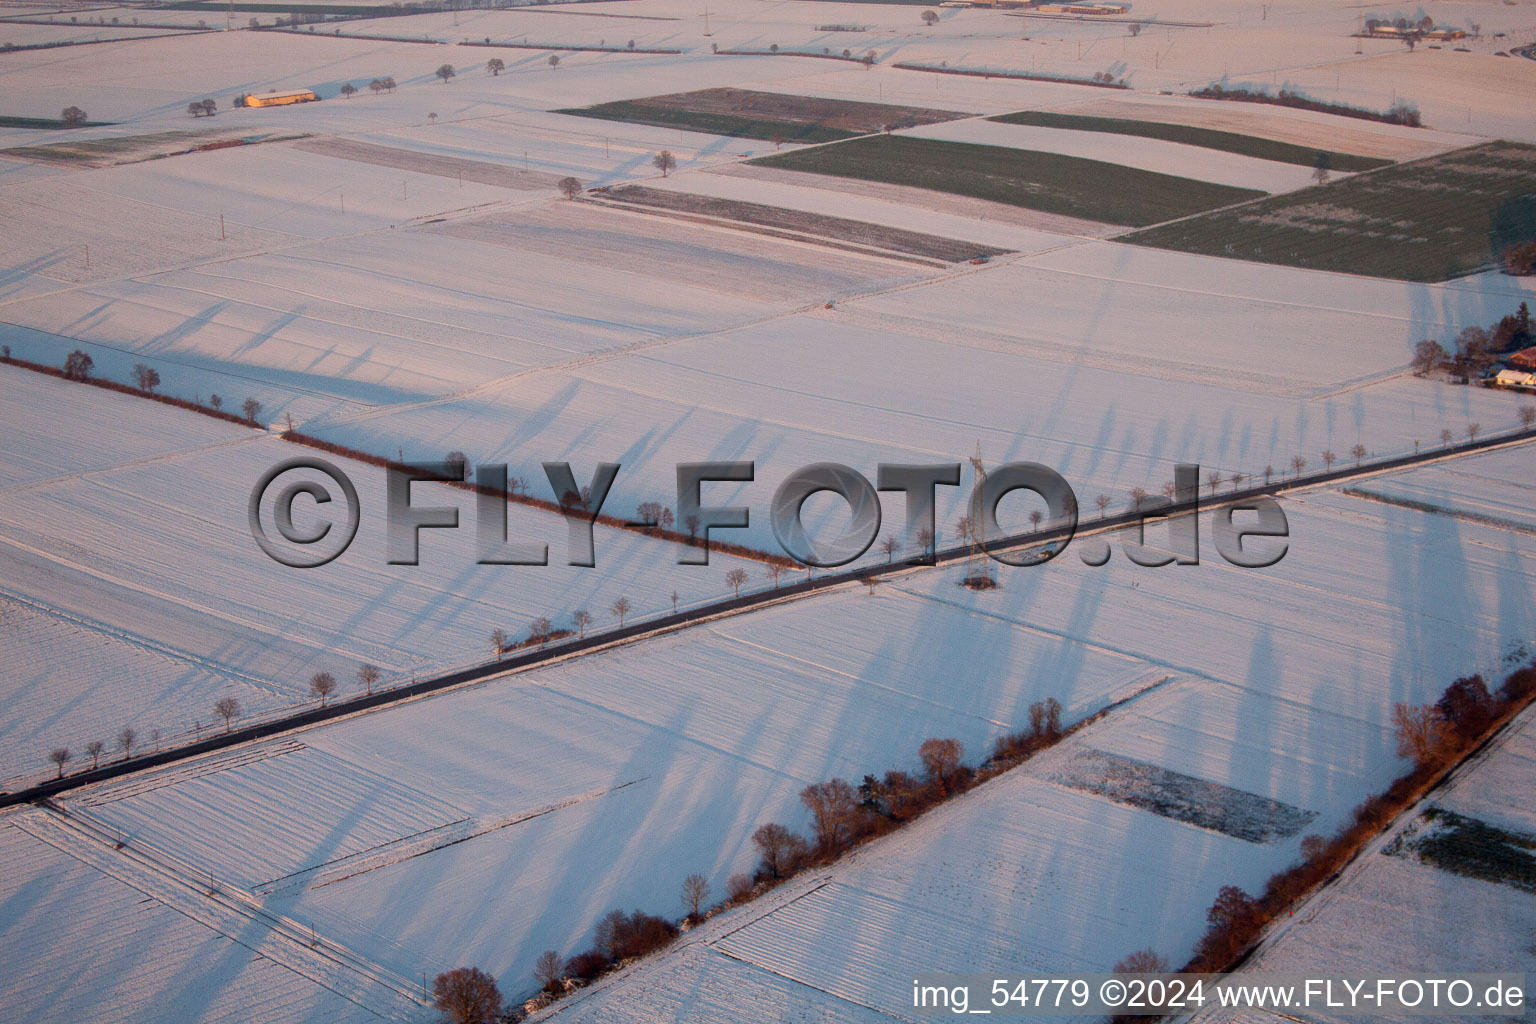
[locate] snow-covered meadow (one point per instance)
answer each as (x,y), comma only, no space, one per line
(439,294)
(568,791)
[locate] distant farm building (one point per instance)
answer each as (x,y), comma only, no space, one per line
(1085,8)
(1516,379)
(1525,359)
(280,99)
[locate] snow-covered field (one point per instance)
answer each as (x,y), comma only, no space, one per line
(93,935)
(441,295)
(1281,684)
(134,594)
(1393,914)
(602,782)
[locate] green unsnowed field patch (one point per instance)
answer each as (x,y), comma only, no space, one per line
(1434,219)
(747,113)
(1465,846)
(1066,185)
(1205,138)
(46,123)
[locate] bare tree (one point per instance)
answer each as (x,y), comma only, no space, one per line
(368,675)
(499,641)
(1138,495)
(322,685)
(1143,961)
(539,630)
(1102,501)
(125,740)
(1420,731)
(888,547)
(251,408)
(1213,480)
(664,162)
(941,759)
(446,72)
(1329,459)
(209,106)
(548,969)
(1269,471)
(1527,415)
(377,86)
(195,109)
(59,756)
(621,608)
(215,402)
(695,892)
(1358,451)
(930,18)
(78,366)
(94,748)
(1298,464)
(570,187)
(227,708)
(582,619)
(1472,429)
(347,89)
(495,66)
(735,578)
(925,540)
(773,842)
(457,463)
(775,573)
(554,60)
(674,602)
(1035,515)
(145,377)
(1237,481)
(1428,355)
(691,524)
(72,116)
(1446,436)
(834,806)
(467,995)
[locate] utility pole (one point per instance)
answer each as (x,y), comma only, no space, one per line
(978,573)
(221,227)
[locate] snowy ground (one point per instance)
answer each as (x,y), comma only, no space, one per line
(1392,914)
(387,304)
(1297,669)
(602,782)
(134,594)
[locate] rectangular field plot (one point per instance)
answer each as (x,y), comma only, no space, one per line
(252,831)
(1471,848)
(484,172)
(801,223)
(83,946)
(1070,186)
(1493,489)
(1434,219)
(764,115)
(1182,797)
(1190,135)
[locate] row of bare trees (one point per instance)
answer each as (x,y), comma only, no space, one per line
(1434,736)
(228,708)
(79,366)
